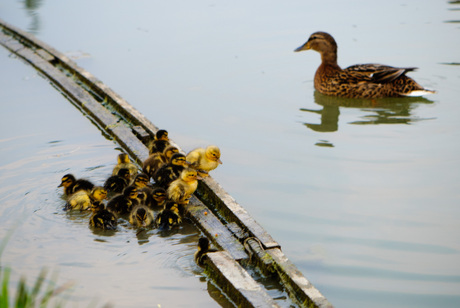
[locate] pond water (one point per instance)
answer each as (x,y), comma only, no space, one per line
(362,195)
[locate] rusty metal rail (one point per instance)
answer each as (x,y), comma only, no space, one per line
(226,223)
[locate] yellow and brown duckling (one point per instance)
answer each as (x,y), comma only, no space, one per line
(116,183)
(123,161)
(141,181)
(141,216)
(158,159)
(102,218)
(204,160)
(160,142)
(168,173)
(158,198)
(123,204)
(203,249)
(83,200)
(358,81)
(72,185)
(181,189)
(169,216)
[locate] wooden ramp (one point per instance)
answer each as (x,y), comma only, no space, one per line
(226,223)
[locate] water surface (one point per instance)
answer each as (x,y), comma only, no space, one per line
(361,195)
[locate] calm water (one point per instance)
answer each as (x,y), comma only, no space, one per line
(362,196)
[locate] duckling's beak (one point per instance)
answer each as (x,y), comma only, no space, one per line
(219,161)
(305,46)
(61,185)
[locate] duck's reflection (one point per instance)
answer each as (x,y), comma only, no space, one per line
(376,111)
(31,7)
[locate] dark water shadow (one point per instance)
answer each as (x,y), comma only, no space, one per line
(376,111)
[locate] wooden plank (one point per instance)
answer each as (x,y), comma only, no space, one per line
(212,193)
(214,229)
(236,282)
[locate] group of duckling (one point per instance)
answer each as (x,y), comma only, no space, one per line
(132,195)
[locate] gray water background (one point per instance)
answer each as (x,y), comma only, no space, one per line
(362,196)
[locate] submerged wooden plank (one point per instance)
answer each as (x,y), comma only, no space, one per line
(236,281)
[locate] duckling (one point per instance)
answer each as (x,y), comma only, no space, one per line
(116,183)
(158,198)
(204,160)
(358,81)
(181,189)
(158,159)
(82,200)
(141,216)
(203,249)
(171,171)
(125,202)
(141,181)
(102,218)
(168,217)
(72,185)
(123,161)
(160,142)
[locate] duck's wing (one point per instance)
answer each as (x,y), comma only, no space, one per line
(379,73)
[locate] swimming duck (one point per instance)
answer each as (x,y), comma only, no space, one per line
(72,185)
(141,181)
(171,171)
(116,183)
(160,142)
(123,161)
(125,202)
(168,217)
(158,159)
(102,218)
(204,160)
(203,249)
(181,189)
(358,81)
(82,200)
(158,198)
(141,216)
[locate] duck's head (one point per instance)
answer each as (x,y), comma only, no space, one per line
(162,135)
(203,244)
(141,216)
(124,173)
(67,180)
(189,175)
(159,194)
(321,42)
(169,151)
(130,192)
(213,153)
(173,207)
(141,180)
(179,159)
(123,158)
(98,193)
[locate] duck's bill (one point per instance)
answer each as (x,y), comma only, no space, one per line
(303,47)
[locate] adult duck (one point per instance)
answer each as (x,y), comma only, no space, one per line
(358,81)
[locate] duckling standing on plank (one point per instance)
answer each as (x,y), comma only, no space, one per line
(204,160)
(82,200)
(72,185)
(168,173)
(358,81)
(203,249)
(116,183)
(181,189)
(141,216)
(123,161)
(102,218)
(124,203)
(158,159)
(160,142)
